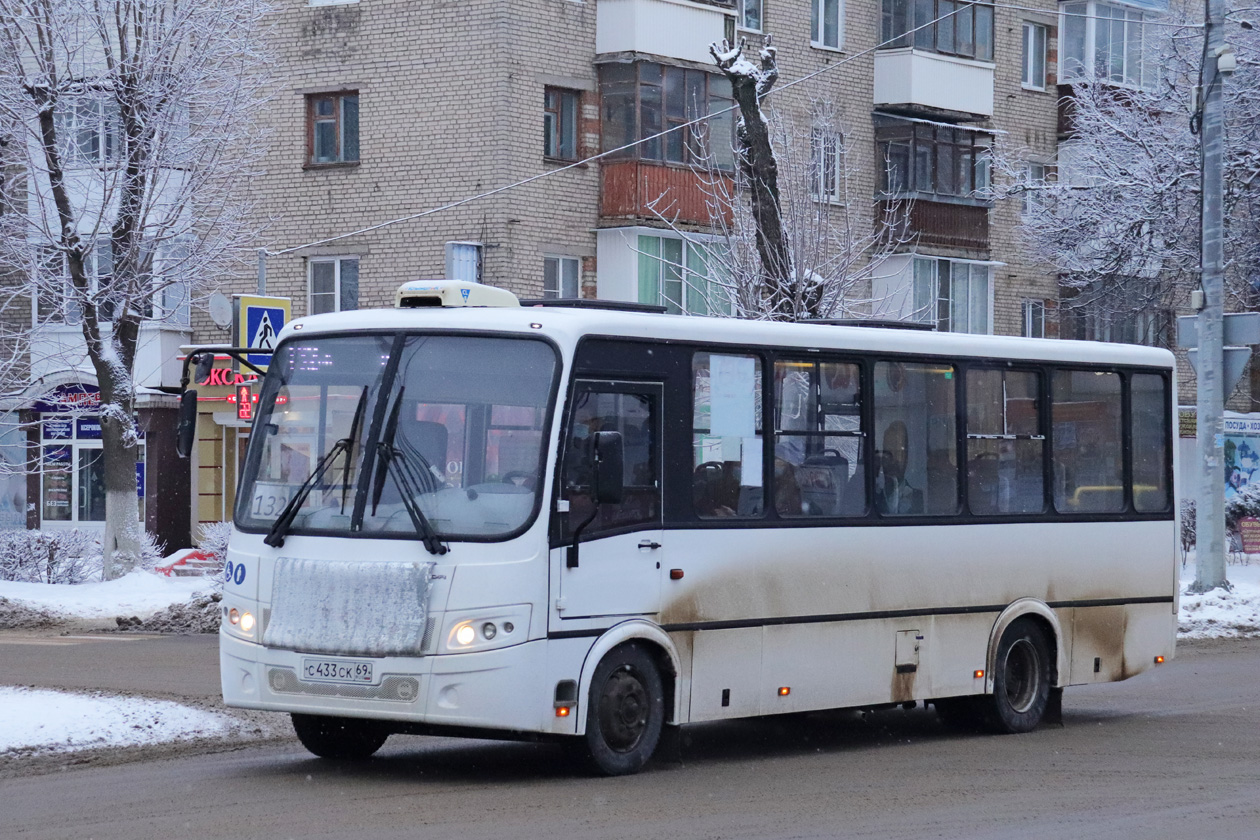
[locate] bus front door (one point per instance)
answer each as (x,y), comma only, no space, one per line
(617,567)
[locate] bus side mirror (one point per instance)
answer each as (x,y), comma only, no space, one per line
(186,431)
(610,458)
(205,364)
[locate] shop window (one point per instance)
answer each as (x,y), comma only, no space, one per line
(72,470)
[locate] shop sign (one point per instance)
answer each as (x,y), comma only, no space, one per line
(68,398)
(61,428)
(259,320)
(140,479)
(88,428)
(228,378)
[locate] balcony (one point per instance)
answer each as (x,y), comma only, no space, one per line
(57,348)
(916,80)
(668,28)
(628,187)
(937,224)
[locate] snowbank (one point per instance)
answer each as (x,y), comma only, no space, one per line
(36,720)
(138,593)
(1219,614)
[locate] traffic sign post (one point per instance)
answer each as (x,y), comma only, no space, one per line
(259,321)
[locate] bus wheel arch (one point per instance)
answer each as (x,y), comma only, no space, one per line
(655,642)
(1023,670)
(1041,613)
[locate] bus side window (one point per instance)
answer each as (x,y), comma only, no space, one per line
(727,472)
(636,416)
(916,449)
(1088,442)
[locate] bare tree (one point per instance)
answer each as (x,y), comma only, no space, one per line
(1117,214)
(831,249)
(129,134)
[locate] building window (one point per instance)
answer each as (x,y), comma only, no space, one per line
(827,23)
(638,101)
(749,12)
(1034,312)
(952,294)
(332,128)
(562,277)
(674,273)
(560,109)
(1034,187)
(88,130)
(931,159)
(827,159)
(463,261)
(72,467)
(334,285)
(945,26)
(1034,56)
(1125,310)
(1104,42)
(59,302)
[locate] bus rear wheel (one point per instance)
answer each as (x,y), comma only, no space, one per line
(339,738)
(1021,679)
(625,711)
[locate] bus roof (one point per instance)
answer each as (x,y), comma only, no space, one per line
(568,325)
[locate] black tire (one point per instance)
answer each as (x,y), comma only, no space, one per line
(339,738)
(624,712)
(1021,679)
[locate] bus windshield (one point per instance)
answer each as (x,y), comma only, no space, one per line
(450,425)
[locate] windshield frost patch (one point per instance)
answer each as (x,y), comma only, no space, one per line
(352,609)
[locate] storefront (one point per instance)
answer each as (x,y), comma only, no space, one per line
(222,436)
(54,459)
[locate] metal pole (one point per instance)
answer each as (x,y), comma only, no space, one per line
(1210,522)
(262,272)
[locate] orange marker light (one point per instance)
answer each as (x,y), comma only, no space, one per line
(1159,660)
(562,711)
(978,675)
(675,574)
(784,690)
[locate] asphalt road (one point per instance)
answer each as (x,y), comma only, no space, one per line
(1174,753)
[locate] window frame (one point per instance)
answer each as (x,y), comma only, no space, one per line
(341,124)
(742,16)
(1028,79)
(1033,318)
(933,153)
(899,27)
(338,290)
(560,262)
(452,247)
(934,306)
(686,267)
(818,10)
(1075,69)
(827,147)
(560,122)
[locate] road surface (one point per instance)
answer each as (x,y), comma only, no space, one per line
(1174,753)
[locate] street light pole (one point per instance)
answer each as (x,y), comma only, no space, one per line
(1210,510)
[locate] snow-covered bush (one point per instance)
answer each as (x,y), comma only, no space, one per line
(70,556)
(151,553)
(214,540)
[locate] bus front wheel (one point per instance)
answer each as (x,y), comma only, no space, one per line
(339,738)
(1021,679)
(625,711)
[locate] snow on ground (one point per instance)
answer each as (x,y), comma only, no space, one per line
(1219,614)
(38,721)
(138,593)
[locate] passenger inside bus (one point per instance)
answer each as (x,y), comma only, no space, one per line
(893,494)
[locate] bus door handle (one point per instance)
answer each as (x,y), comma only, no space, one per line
(649,544)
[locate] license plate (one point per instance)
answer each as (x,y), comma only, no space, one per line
(346,671)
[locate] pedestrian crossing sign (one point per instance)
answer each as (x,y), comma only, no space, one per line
(258,322)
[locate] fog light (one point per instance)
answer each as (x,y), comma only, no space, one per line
(247,622)
(465,634)
(489,630)
(508,627)
(234,617)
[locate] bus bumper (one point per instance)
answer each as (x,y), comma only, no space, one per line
(502,689)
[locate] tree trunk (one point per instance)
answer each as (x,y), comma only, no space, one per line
(758,165)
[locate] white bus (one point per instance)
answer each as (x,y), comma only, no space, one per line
(569,522)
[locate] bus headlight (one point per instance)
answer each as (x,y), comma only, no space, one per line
(238,622)
(495,627)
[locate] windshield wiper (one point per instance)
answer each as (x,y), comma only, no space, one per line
(389,457)
(275,537)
